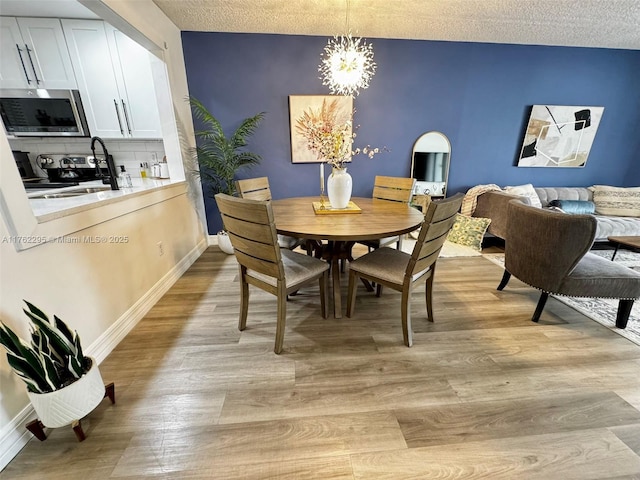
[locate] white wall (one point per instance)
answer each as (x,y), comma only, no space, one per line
(100,289)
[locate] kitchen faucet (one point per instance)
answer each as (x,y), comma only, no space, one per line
(112,179)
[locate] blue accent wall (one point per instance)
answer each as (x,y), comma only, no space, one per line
(479,95)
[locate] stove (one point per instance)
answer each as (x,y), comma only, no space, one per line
(71,168)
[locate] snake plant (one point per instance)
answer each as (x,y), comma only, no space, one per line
(52,359)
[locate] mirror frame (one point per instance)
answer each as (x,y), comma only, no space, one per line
(430,138)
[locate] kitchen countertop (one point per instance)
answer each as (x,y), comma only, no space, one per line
(46,209)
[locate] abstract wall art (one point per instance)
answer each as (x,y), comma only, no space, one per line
(559,136)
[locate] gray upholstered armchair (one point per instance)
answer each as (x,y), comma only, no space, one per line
(550,251)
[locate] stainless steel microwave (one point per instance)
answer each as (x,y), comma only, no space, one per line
(43,113)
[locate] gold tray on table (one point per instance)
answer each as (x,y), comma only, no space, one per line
(325,209)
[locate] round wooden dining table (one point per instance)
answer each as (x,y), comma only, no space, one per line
(296,217)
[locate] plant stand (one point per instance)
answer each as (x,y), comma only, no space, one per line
(37,427)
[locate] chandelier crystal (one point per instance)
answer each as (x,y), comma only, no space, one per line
(347,65)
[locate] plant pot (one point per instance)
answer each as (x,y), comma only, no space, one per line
(339,188)
(73,402)
(224,242)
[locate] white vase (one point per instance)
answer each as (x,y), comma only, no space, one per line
(339,188)
(62,407)
(224,242)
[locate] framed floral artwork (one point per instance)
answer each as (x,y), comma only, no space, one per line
(321,128)
(559,136)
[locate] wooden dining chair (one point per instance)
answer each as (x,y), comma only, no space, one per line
(258,189)
(251,228)
(399,270)
(392,189)
(254,188)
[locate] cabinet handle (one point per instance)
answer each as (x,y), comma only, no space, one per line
(32,65)
(126,116)
(115,104)
(23,65)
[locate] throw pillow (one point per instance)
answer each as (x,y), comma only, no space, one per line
(526,191)
(616,201)
(469,231)
(574,206)
(450,249)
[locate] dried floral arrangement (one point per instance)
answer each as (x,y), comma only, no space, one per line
(330,139)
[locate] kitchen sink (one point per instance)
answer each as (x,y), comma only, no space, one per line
(76,192)
(58,195)
(84,190)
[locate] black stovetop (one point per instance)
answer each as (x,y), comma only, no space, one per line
(33,183)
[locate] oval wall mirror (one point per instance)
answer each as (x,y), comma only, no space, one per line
(430,164)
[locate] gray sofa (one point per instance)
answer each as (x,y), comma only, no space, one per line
(493,205)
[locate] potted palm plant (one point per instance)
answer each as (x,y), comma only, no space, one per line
(63,384)
(220,156)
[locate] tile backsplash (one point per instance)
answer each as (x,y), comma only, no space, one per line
(130,153)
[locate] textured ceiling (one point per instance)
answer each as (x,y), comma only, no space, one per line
(583,23)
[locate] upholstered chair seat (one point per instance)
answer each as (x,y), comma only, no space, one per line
(595,276)
(298,269)
(388,265)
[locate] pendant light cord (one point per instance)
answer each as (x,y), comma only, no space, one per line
(347,16)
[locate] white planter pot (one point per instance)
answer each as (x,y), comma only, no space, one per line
(64,406)
(339,188)
(224,242)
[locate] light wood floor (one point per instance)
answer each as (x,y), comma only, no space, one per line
(483,393)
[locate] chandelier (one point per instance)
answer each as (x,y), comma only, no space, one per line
(347,64)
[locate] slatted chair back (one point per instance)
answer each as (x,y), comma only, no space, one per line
(396,189)
(254,188)
(258,189)
(438,220)
(251,228)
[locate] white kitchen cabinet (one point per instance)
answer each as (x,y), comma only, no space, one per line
(13,60)
(132,66)
(33,54)
(115,80)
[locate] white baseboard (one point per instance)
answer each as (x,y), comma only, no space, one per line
(15,436)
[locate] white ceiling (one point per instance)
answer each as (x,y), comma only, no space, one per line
(584,23)
(45,8)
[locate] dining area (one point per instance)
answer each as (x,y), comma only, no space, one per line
(283,244)
(261,228)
